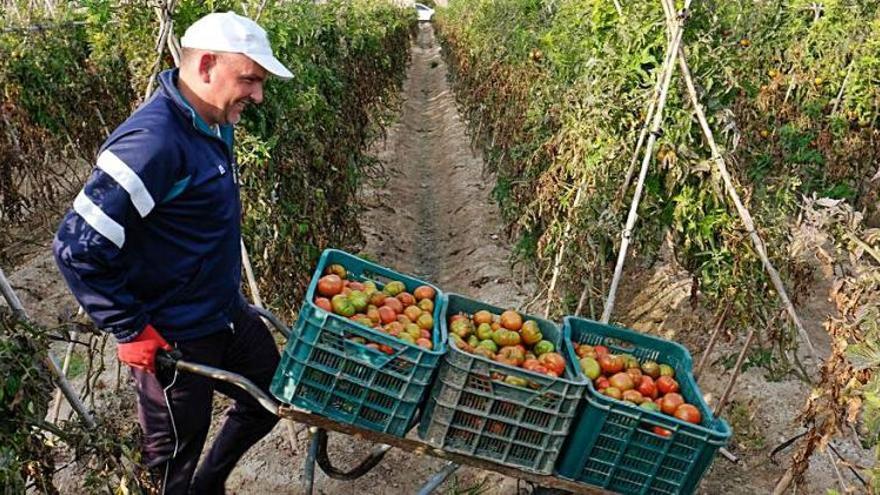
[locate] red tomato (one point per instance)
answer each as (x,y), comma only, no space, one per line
(324,303)
(670,402)
(663,432)
(554,362)
(666,385)
(329,285)
(393,303)
(600,350)
(610,364)
(689,413)
(601,383)
(406,298)
(387,315)
(647,387)
(424,292)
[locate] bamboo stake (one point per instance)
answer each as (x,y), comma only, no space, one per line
(711,346)
(743,213)
(666,75)
(258,301)
(165,30)
(737,369)
(59,378)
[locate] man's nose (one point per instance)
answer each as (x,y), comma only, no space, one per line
(257,94)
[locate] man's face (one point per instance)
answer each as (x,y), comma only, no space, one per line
(236,81)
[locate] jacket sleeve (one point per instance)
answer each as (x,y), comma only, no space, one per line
(132,175)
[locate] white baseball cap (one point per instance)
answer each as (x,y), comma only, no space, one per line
(230,32)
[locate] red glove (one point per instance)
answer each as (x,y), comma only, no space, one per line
(141,352)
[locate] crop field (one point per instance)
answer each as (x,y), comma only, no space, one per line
(704,175)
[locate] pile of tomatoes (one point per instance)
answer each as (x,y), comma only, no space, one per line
(392,310)
(648,384)
(507,339)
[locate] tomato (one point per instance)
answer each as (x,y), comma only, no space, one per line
(663,432)
(425,343)
(369,287)
(650,406)
(667,384)
(647,387)
(373,345)
(590,367)
(600,350)
(394,328)
(472,340)
(484,331)
(530,332)
(622,381)
(412,312)
(394,303)
(426,305)
(613,392)
(633,396)
(515,380)
(394,288)
(359,300)
(651,369)
(543,347)
(482,316)
(324,303)
(425,321)
(483,351)
(670,402)
(413,330)
(505,337)
(342,306)
(406,298)
(666,370)
(459,342)
(456,317)
(337,270)
(329,285)
(490,345)
(530,362)
(636,374)
(510,355)
(462,328)
(553,362)
(689,413)
(601,383)
(386,349)
(610,363)
(424,292)
(585,350)
(406,337)
(511,320)
(377,298)
(387,315)
(356,285)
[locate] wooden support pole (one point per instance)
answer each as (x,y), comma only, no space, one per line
(666,75)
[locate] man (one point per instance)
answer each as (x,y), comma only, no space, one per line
(151,252)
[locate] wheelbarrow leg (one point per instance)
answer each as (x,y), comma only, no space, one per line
(309,467)
(438,478)
(354,473)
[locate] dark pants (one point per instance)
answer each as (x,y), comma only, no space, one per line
(175,411)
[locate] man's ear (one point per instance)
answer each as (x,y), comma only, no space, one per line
(207,62)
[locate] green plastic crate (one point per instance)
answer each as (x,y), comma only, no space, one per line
(471,413)
(612,445)
(322,370)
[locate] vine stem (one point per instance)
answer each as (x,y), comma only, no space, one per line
(49,361)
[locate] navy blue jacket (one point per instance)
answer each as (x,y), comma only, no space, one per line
(153,237)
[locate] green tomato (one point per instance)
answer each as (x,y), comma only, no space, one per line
(488,344)
(484,331)
(342,305)
(590,367)
(359,300)
(394,288)
(543,347)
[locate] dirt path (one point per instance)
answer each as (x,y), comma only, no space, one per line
(431,217)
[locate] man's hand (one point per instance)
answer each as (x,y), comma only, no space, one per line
(141,352)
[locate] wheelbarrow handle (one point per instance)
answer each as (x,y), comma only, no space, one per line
(166,360)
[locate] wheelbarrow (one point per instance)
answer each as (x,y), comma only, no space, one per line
(320,426)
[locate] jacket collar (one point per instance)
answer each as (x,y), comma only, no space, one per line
(168,86)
